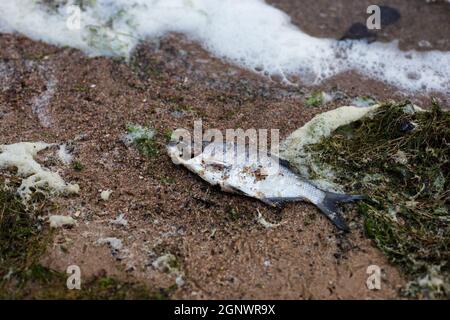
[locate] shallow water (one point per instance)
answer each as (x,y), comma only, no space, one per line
(249,33)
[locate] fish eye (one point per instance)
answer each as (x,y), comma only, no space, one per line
(181,148)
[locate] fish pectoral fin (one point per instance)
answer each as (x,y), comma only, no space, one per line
(216,164)
(225,186)
(229,188)
(273,202)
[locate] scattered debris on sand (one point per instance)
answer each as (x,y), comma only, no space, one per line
(120,220)
(105,195)
(61,221)
(35,177)
(24,240)
(260,219)
(169,263)
(115,243)
(64,154)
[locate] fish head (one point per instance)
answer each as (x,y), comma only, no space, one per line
(179,151)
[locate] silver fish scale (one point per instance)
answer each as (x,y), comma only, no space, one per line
(263,179)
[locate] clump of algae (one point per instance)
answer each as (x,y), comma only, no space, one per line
(143,138)
(399,159)
(22,241)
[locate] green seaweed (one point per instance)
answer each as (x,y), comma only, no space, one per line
(315,99)
(143,139)
(77,165)
(399,159)
(22,241)
(168,135)
(99,288)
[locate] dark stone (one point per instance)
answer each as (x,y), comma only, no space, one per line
(359,31)
(389,15)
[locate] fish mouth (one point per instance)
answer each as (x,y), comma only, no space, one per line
(172,144)
(172,149)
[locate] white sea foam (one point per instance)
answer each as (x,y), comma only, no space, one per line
(249,33)
(35,177)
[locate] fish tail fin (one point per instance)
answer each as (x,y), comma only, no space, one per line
(329,206)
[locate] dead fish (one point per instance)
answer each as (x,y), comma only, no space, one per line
(268,178)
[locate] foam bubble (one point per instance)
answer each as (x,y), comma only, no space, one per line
(249,33)
(35,177)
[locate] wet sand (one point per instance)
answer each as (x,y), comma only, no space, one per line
(223,251)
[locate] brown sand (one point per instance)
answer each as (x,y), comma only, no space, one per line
(224,252)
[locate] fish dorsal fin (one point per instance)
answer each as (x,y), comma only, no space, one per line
(285,163)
